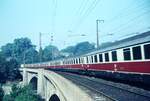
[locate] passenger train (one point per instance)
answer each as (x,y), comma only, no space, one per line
(126,59)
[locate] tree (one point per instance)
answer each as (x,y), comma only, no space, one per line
(7,98)
(1,93)
(18,49)
(80,48)
(7,50)
(13,70)
(83,48)
(50,52)
(22,94)
(8,70)
(31,56)
(3,70)
(21,46)
(69,49)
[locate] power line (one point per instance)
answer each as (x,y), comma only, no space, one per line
(85,14)
(143,8)
(125,13)
(131,21)
(79,11)
(126,9)
(54,5)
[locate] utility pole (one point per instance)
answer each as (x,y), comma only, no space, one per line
(40,47)
(97,31)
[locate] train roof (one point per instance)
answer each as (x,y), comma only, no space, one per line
(137,39)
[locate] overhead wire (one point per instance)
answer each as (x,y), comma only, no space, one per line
(85,13)
(54,9)
(123,11)
(78,12)
(131,21)
(139,8)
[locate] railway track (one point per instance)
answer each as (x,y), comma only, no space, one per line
(109,91)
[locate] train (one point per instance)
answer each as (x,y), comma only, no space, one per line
(127,59)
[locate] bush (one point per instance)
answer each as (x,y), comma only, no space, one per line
(7,98)
(22,94)
(1,93)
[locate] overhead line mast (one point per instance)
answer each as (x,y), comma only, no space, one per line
(97,31)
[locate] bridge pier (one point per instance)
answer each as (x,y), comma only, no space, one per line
(40,89)
(25,77)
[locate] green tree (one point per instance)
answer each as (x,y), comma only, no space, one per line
(3,70)
(8,50)
(1,93)
(31,56)
(21,46)
(69,49)
(83,47)
(80,48)
(9,69)
(18,48)
(7,98)
(22,94)
(50,52)
(12,70)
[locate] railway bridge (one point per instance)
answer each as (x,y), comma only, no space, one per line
(64,86)
(51,86)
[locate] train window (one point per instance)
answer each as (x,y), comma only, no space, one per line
(95,58)
(114,55)
(82,60)
(127,54)
(87,60)
(147,51)
(76,61)
(92,59)
(137,53)
(106,57)
(100,57)
(79,60)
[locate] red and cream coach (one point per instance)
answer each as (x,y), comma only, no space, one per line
(127,59)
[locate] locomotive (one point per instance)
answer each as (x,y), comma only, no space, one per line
(126,59)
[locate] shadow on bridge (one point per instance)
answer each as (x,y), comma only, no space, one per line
(54,98)
(33,84)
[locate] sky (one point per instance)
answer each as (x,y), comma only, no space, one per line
(72,21)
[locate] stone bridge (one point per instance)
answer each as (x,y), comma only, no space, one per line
(53,87)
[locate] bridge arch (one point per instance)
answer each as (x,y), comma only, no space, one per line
(33,83)
(54,97)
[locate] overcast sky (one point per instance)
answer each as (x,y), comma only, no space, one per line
(69,19)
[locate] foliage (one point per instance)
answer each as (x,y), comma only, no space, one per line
(18,49)
(1,93)
(50,52)
(3,69)
(7,98)
(7,50)
(69,49)
(22,94)
(106,44)
(31,56)
(80,48)
(8,70)
(83,48)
